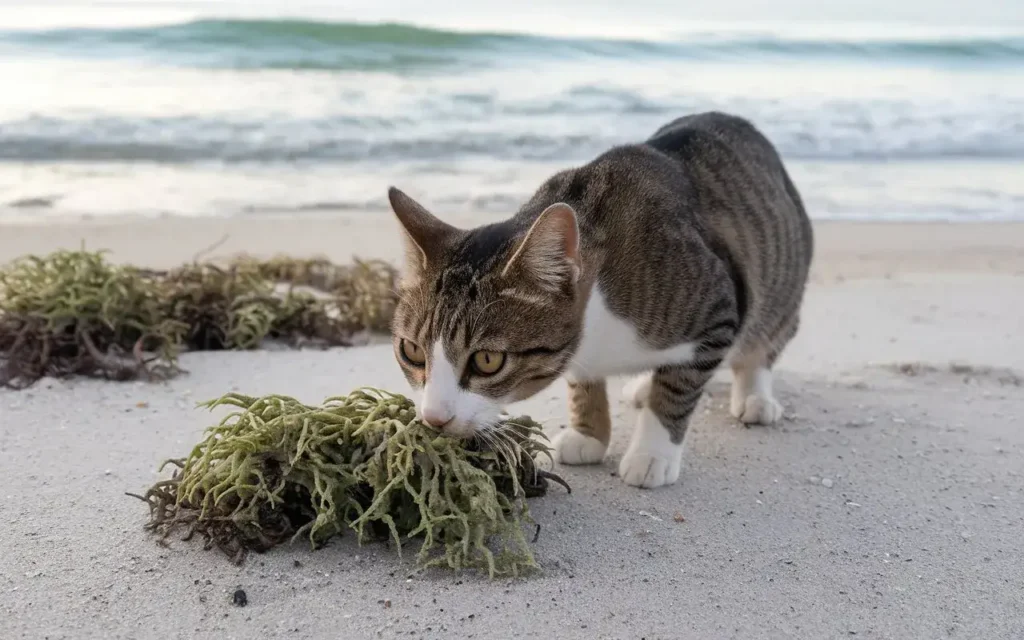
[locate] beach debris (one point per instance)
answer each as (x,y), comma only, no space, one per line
(969,374)
(364,292)
(76,313)
(73,312)
(275,470)
(236,308)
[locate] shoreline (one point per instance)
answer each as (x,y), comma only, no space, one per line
(843,249)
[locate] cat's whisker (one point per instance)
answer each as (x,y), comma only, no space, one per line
(486,438)
(492,444)
(502,443)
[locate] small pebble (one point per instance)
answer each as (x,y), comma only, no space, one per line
(827,483)
(239,598)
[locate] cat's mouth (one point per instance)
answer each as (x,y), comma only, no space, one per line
(473,429)
(461,430)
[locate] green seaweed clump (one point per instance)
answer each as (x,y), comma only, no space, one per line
(275,470)
(72,312)
(236,307)
(223,308)
(367,294)
(364,292)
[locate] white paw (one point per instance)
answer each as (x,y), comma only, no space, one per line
(573,447)
(652,459)
(759,410)
(637,390)
(752,401)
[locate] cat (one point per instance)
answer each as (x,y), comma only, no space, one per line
(662,258)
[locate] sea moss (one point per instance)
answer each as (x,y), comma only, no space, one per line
(364,292)
(73,312)
(223,308)
(235,307)
(275,470)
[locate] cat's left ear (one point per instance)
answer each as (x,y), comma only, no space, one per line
(550,250)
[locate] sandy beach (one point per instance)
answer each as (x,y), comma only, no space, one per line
(888,504)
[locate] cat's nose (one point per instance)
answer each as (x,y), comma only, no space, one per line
(436,419)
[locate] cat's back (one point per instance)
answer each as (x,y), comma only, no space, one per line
(738,187)
(735,178)
(706,138)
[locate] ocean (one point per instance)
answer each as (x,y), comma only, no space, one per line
(228,108)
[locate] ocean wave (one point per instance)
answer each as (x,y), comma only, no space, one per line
(304,44)
(348,140)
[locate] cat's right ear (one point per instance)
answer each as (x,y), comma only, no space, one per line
(426,236)
(550,251)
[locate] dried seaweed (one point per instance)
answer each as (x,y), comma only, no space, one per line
(73,312)
(364,291)
(276,470)
(236,307)
(223,308)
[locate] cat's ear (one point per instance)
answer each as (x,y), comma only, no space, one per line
(550,251)
(426,236)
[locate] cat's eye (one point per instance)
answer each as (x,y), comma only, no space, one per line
(487,363)
(412,353)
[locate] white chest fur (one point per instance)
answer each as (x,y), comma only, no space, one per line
(611,346)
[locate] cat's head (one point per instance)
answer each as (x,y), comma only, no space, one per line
(486,316)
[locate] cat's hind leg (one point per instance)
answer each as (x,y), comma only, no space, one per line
(590,426)
(752,400)
(637,390)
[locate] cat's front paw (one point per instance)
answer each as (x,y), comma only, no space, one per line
(652,459)
(572,447)
(649,470)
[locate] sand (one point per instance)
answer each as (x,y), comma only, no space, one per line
(888,504)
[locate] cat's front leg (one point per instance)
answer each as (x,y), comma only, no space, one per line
(655,454)
(590,426)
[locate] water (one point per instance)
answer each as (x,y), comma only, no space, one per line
(224,108)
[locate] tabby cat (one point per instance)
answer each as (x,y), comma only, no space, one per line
(662,259)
